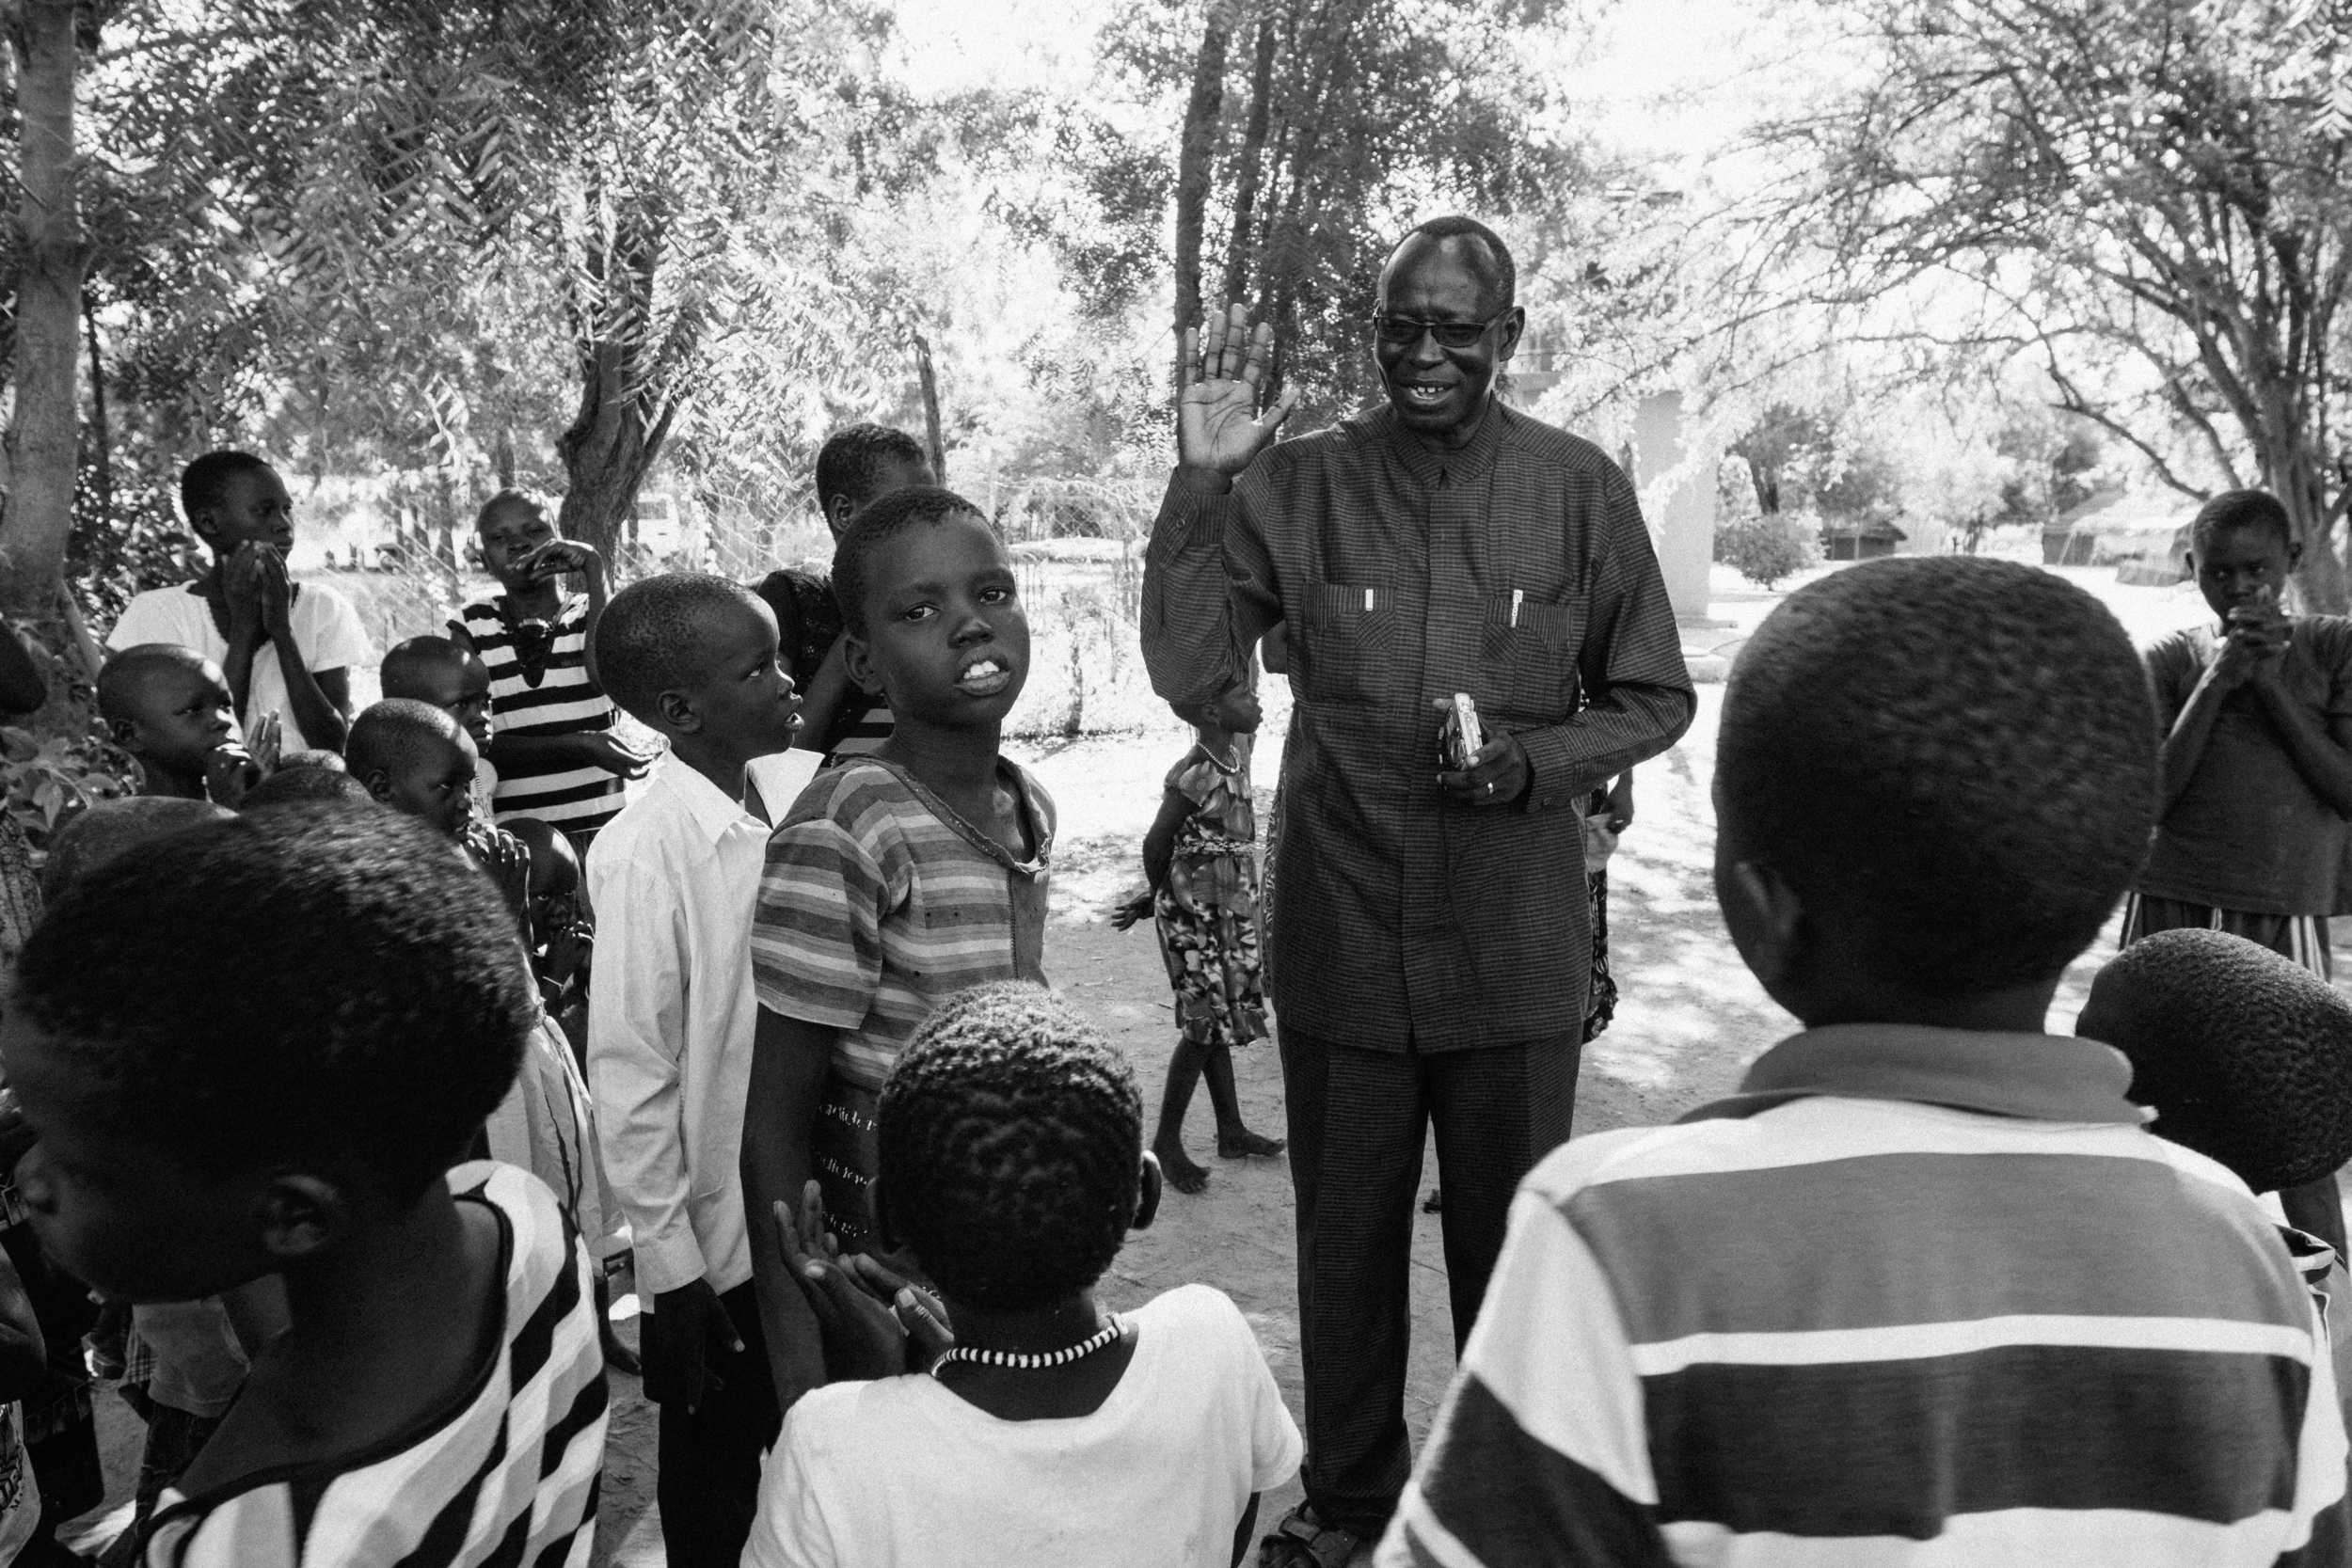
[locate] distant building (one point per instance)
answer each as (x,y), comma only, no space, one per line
(2143,534)
(1862,541)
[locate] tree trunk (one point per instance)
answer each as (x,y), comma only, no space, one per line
(929,380)
(606,451)
(1249,168)
(1194,154)
(622,419)
(2298,478)
(43,433)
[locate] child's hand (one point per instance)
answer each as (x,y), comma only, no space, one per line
(559,556)
(1136,909)
(230,770)
(274,588)
(863,1338)
(267,743)
(605,750)
(680,1331)
(241,587)
(24,1358)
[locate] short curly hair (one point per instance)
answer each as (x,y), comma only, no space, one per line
(654,637)
(850,463)
(1957,756)
(332,990)
(895,513)
(2236,508)
(2246,1056)
(1011,1136)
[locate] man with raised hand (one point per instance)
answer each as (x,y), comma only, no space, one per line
(1429,949)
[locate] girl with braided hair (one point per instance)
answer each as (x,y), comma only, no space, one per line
(1200,858)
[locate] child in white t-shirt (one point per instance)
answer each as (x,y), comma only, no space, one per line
(286,648)
(1055,1435)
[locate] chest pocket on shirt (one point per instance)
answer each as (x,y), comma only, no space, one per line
(1531,655)
(1350,644)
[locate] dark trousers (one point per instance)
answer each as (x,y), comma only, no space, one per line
(709,1487)
(1358,1119)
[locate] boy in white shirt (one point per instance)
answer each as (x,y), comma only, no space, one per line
(672,880)
(286,647)
(1053,1434)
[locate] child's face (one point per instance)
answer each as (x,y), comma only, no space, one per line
(431,781)
(254,508)
(460,689)
(507,535)
(180,714)
(745,704)
(116,1211)
(2244,568)
(945,638)
(896,473)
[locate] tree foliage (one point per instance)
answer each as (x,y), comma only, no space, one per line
(2149,195)
(1307,132)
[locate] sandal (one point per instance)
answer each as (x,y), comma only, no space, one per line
(1299,1542)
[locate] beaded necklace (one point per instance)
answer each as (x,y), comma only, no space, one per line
(1026,1361)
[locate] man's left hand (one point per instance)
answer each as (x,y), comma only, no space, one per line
(1498,775)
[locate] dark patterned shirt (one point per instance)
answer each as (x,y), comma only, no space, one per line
(1516,569)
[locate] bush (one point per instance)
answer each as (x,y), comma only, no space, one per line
(1768,548)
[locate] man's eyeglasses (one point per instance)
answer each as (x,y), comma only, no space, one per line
(1405,329)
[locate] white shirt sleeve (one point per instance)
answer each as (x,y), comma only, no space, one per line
(789,1529)
(150,618)
(329,630)
(1276,1448)
(636,1040)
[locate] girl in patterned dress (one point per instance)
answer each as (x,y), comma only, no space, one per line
(1201,858)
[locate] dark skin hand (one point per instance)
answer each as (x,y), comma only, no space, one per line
(680,1333)
(1498,774)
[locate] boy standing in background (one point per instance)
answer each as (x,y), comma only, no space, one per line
(552,744)
(674,878)
(2256,715)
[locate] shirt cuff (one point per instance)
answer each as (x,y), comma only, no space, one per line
(667,1263)
(1200,482)
(1558,778)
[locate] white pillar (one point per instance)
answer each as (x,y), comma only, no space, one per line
(1679,502)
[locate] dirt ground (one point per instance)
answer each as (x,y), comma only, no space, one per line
(1689,1019)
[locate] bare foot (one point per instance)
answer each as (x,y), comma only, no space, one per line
(1244,1144)
(1178,1168)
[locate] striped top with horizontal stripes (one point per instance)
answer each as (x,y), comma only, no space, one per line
(561,701)
(1919,1296)
(508,1475)
(879,902)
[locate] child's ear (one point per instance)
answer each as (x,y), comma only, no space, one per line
(379,783)
(1767,921)
(126,733)
(859,661)
(1149,1182)
(678,712)
(301,1214)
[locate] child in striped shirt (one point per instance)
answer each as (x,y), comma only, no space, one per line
(1927,1290)
(439,1395)
(553,745)
(895,880)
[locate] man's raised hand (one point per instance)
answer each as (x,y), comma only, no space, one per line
(1218,423)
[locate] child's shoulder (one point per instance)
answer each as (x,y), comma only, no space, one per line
(2328,637)
(851,793)
(1195,1311)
